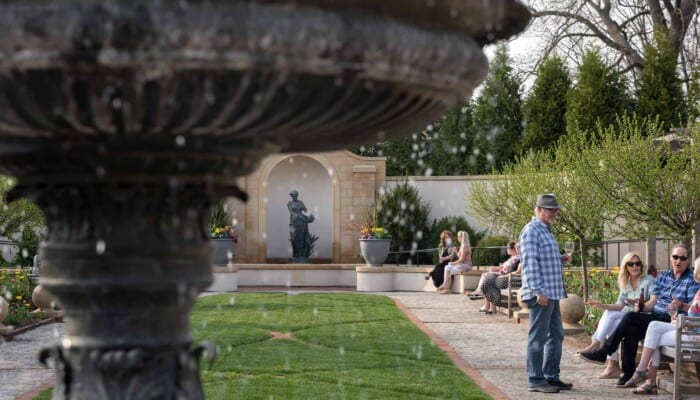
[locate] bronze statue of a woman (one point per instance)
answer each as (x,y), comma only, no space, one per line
(299,220)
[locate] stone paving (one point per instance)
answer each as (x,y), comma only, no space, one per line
(491,347)
(20,370)
(494,346)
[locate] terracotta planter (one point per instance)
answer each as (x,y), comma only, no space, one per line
(374,251)
(222,249)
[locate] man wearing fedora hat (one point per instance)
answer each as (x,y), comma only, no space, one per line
(542,288)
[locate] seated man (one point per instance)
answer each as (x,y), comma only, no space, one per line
(674,287)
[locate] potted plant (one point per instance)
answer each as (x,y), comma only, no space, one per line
(222,235)
(374,244)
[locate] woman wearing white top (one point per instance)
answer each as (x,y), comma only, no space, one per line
(463,262)
(632,280)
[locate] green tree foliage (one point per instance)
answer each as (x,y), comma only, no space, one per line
(483,255)
(442,148)
(21,222)
(403,212)
(497,115)
(654,188)
(450,143)
(694,96)
(598,97)
(660,93)
(505,204)
(509,203)
(398,153)
(545,109)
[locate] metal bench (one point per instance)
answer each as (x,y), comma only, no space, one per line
(687,350)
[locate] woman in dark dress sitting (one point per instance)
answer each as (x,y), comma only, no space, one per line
(446,252)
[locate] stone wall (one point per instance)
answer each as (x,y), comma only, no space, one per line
(353,181)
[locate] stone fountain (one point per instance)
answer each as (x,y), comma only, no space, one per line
(125,121)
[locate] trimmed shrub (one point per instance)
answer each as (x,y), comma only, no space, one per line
(483,256)
(402,211)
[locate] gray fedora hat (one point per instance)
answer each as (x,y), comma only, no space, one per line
(547,201)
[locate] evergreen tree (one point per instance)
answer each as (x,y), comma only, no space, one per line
(403,212)
(450,142)
(497,116)
(660,94)
(545,108)
(599,96)
(439,149)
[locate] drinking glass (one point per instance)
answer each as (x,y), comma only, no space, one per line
(672,311)
(569,249)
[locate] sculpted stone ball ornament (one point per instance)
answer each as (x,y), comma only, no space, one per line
(125,121)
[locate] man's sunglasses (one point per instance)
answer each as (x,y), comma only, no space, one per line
(677,257)
(634,264)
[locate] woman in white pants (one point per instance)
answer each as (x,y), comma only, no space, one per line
(632,281)
(463,262)
(659,334)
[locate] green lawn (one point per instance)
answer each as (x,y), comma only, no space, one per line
(342,346)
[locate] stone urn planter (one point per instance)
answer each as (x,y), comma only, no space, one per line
(519,297)
(374,251)
(4,312)
(224,249)
(572,311)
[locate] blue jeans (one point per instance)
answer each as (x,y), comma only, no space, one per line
(544,342)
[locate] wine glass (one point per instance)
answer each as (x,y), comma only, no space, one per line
(569,249)
(672,311)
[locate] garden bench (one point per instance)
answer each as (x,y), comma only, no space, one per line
(510,294)
(687,350)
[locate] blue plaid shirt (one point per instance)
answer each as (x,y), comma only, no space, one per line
(540,262)
(667,287)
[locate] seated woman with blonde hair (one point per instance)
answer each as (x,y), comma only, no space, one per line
(632,280)
(462,264)
(660,333)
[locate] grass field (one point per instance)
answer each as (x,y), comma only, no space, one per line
(321,346)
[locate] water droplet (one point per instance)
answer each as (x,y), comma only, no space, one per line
(180,140)
(100,247)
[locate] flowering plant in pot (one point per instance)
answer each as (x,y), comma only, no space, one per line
(222,234)
(374,244)
(374,232)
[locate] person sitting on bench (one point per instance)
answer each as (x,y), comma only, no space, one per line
(674,286)
(446,252)
(493,282)
(660,334)
(462,264)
